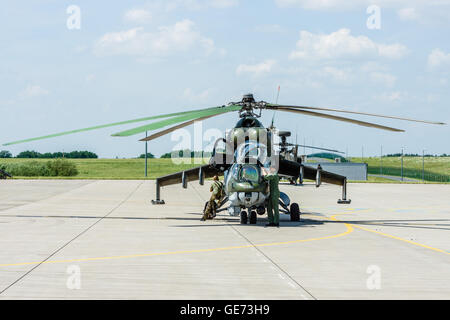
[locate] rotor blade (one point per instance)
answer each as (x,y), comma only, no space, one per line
(324,149)
(107,125)
(175,120)
(329,116)
(355,112)
(171,129)
(310,147)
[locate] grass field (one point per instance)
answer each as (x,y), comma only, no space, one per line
(116,168)
(436,168)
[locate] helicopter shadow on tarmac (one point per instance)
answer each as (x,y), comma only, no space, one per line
(229,220)
(430,224)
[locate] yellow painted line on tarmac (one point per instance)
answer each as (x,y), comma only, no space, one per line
(348,231)
(402,239)
(391,236)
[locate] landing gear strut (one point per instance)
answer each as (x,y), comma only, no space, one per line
(344,199)
(158,195)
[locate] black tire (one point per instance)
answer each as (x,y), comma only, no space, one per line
(260,210)
(253,217)
(244,217)
(295,212)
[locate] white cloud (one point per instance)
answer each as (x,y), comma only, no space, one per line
(139,16)
(336,74)
(373,66)
(393,96)
(392,51)
(340,44)
(256,69)
(355,4)
(167,40)
(408,14)
(171,5)
(422,11)
(320,4)
(383,78)
(197,97)
(34,91)
(223,3)
(437,58)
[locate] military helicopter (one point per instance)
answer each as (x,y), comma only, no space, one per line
(249,147)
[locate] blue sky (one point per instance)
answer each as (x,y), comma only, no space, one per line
(142,58)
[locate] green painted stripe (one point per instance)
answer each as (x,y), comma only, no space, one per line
(109,125)
(171,121)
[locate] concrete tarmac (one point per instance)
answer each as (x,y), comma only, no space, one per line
(70,239)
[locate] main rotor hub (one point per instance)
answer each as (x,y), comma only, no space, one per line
(248,98)
(249,105)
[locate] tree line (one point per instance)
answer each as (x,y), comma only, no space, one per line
(48,155)
(186,154)
(180,153)
(415,155)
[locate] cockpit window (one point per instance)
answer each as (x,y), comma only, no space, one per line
(249,173)
(251,151)
(249,122)
(246,172)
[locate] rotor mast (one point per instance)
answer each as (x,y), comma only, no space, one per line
(249,105)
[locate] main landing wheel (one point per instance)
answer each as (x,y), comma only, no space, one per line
(295,212)
(243,217)
(253,217)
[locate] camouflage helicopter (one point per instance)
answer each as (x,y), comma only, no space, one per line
(249,147)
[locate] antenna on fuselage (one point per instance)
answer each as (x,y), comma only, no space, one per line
(276,102)
(278,94)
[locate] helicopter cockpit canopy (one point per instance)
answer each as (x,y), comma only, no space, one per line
(249,122)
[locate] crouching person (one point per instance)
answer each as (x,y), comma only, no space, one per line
(217,192)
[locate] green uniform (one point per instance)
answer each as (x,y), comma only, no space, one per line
(272,208)
(217,190)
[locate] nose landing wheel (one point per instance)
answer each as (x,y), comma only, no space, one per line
(250,217)
(244,217)
(253,217)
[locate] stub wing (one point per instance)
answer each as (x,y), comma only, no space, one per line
(328,177)
(186,176)
(183,177)
(296,170)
